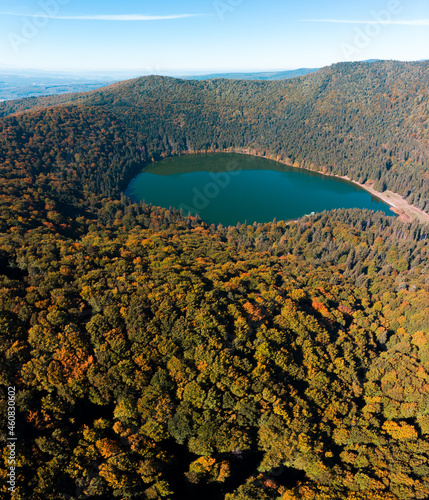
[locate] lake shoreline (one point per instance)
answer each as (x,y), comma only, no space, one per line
(398,205)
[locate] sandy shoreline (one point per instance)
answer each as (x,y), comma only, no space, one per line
(398,205)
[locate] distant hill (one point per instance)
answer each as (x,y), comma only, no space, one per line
(266,75)
(262,75)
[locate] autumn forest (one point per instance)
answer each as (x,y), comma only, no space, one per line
(155,356)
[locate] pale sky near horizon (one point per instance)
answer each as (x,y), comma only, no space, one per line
(167,37)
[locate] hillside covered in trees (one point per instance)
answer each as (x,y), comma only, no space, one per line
(157,357)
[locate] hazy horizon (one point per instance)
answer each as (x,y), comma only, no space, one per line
(110,74)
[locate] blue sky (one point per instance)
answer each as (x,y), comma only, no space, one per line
(167,37)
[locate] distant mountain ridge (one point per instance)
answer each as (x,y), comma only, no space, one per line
(264,75)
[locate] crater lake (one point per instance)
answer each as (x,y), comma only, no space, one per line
(227,188)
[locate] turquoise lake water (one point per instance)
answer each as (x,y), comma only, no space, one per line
(226,188)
